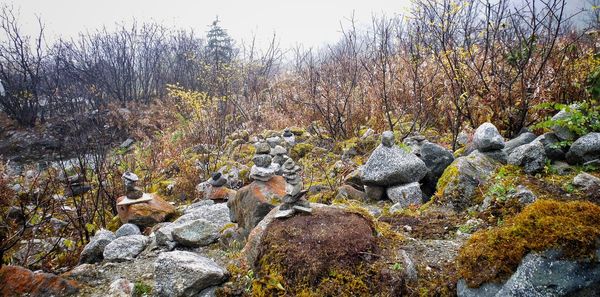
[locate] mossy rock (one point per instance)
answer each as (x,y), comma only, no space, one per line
(493,255)
(300,150)
(325,253)
(457,187)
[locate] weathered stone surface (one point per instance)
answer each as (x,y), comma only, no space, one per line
(436,158)
(324,233)
(349,192)
(354,178)
(487,138)
(219,193)
(254,201)
(125,248)
(181,273)
(217,214)
(388,166)
(146,214)
(584,149)
(196,233)
(531,156)
(93,251)
(18,281)
(589,184)
(120,288)
(374,192)
(458,184)
(405,195)
(550,142)
(518,141)
(128,229)
(543,274)
(524,195)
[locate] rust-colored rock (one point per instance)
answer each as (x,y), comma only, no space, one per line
(254,201)
(146,214)
(18,281)
(219,194)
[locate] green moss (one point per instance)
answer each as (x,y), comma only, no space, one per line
(459,152)
(141,289)
(450,174)
(300,150)
(114,224)
(494,254)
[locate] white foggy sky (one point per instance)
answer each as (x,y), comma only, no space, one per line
(307,22)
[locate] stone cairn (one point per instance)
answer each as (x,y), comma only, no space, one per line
(293,200)
(279,155)
(133,194)
(217,180)
(289,137)
(263,169)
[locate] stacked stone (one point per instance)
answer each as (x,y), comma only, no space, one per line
(279,155)
(75,185)
(217,180)
(395,172)
(289,137)
(133,194)
(293,200)
(488,141)
(263,169)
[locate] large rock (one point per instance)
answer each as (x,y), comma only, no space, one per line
(181,273)
(584,149)
(544,274)
(128,229)
(436,158)
(125,248)
(18,281)
(405,195)
(196,233)
(457,186)
(550,142)
(216,214)
(254,201)
(146,214)
(518,141)
(327,237)
(218,193)
(390,165)
(531,156)
(93,251)
(487,138)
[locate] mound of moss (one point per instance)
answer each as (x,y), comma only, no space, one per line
(494,254)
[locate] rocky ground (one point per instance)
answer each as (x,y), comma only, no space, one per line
(496,218)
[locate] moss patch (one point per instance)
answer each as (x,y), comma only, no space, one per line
(300,150)
(494,254)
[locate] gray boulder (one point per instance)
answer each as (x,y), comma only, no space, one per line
(128,229)
(374,192)
(550,142)
(93,251)
(518,141)
(436,158)
(586,182)
(217,214)
(544,274)
(181,273)
(524,195)
(531,156)
(196,233)
(125,248)
(388,166)
(487,138)
(563,133)
(405,195)
(584,149)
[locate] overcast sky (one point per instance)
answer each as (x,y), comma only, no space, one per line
(307,22)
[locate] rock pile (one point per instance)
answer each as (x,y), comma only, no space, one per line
(435,157)
(293,200)
(216,189)
(289,137)
(263,169)
(391,169)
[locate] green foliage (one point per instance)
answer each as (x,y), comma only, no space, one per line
(581,118)
(141,289)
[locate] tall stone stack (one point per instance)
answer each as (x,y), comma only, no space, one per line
(293,201)
(395,172)
(263,169)
(488,141)
(279,155)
